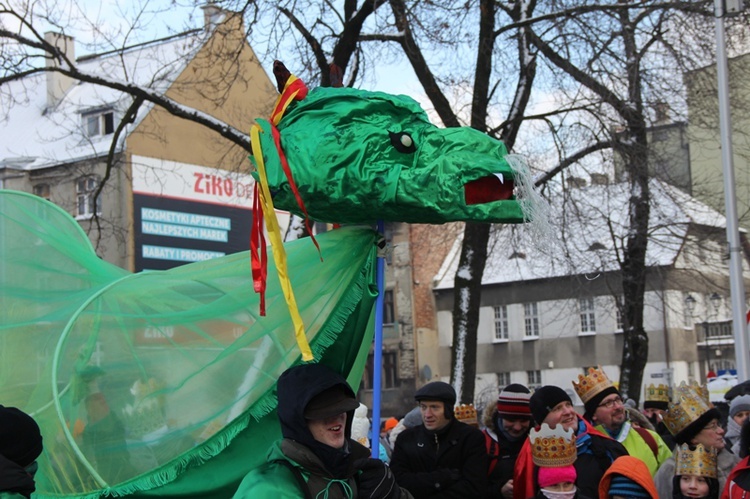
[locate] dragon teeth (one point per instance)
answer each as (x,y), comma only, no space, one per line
(500,177)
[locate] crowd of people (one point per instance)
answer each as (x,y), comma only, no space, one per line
(529,444)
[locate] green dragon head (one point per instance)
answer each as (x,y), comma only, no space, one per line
(359,156)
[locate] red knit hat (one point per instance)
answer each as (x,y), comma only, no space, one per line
(513,402)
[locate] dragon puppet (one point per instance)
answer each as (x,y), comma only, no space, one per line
(344,155)
(161,383)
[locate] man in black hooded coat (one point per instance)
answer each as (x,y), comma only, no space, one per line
(317,457)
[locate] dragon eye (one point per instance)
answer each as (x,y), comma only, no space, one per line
(403,142)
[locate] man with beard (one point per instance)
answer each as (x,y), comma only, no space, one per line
(606,411)
(595,450)
(505,431)
(317,457)
(442,457)
(654,407)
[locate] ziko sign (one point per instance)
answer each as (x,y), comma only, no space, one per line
(185,213)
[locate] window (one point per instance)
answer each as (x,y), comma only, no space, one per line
(534,379)
(42,190)
(501,322)
(588,315)
(85,190)
(388,309)
(99,123)
(531,319)
(619,323)
(503,380)
(389,374)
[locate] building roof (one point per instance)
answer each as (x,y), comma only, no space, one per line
(34,135)
(583,224)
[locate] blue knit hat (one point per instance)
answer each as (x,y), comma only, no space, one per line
(625,487)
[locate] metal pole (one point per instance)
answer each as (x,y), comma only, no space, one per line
(377,361)
(737,288)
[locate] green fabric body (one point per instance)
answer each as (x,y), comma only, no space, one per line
(276,480)
(162,383)
(347,169)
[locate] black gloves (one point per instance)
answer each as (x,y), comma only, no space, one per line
(376,481)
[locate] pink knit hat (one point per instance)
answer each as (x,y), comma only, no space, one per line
(552,476)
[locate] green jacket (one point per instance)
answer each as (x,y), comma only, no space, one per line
(637,446)
(11,495)
(275,480)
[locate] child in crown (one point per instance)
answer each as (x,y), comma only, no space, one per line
(695,473)
(553,450)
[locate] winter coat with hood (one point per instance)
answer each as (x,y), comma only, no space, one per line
(324,469)
(632,468)
(502,450)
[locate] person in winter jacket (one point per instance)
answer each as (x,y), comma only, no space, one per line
(606,411)
(442,457)
(316,456)
(595,451)
(738,482)
(20,446)
(692,420)
(654,407)
(695,473)
(739,410)
(507,425)
(553,451)
(627,477)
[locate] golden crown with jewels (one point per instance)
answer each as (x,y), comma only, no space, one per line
(690,402)
(698,461)
(552,447)
(466,413)
(657,393)
(592,383)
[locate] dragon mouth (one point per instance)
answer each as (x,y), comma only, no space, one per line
(488,189)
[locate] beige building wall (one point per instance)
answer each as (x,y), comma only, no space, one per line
(704,135)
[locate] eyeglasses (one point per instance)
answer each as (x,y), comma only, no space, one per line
(609,404)
(713,425)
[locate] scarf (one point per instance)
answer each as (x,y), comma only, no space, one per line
(550,494)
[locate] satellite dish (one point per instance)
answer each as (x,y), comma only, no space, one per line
(426,373)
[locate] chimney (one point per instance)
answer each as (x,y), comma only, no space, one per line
(599,179)
(576,182)
(57,83)
(212,15)
(661,113)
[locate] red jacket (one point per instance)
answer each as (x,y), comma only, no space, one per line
(731,489)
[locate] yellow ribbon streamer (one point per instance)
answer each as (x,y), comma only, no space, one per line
(277,246)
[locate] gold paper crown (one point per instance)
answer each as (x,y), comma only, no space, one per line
(657,393)
(553,447)
(593,383)
(692,389)
(699,461)
(466,413)
(687,407)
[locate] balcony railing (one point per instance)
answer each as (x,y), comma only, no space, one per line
(714,330)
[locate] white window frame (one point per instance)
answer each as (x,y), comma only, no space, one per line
(531,320)
(503,379)
(501,333)
(587,314)
(98,123)
(534,379)
(85,189)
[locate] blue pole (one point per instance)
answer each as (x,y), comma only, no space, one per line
(377,361)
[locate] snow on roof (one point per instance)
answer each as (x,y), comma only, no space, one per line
(584,224)
(34,136)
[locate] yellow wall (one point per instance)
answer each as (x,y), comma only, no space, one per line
(705,141)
